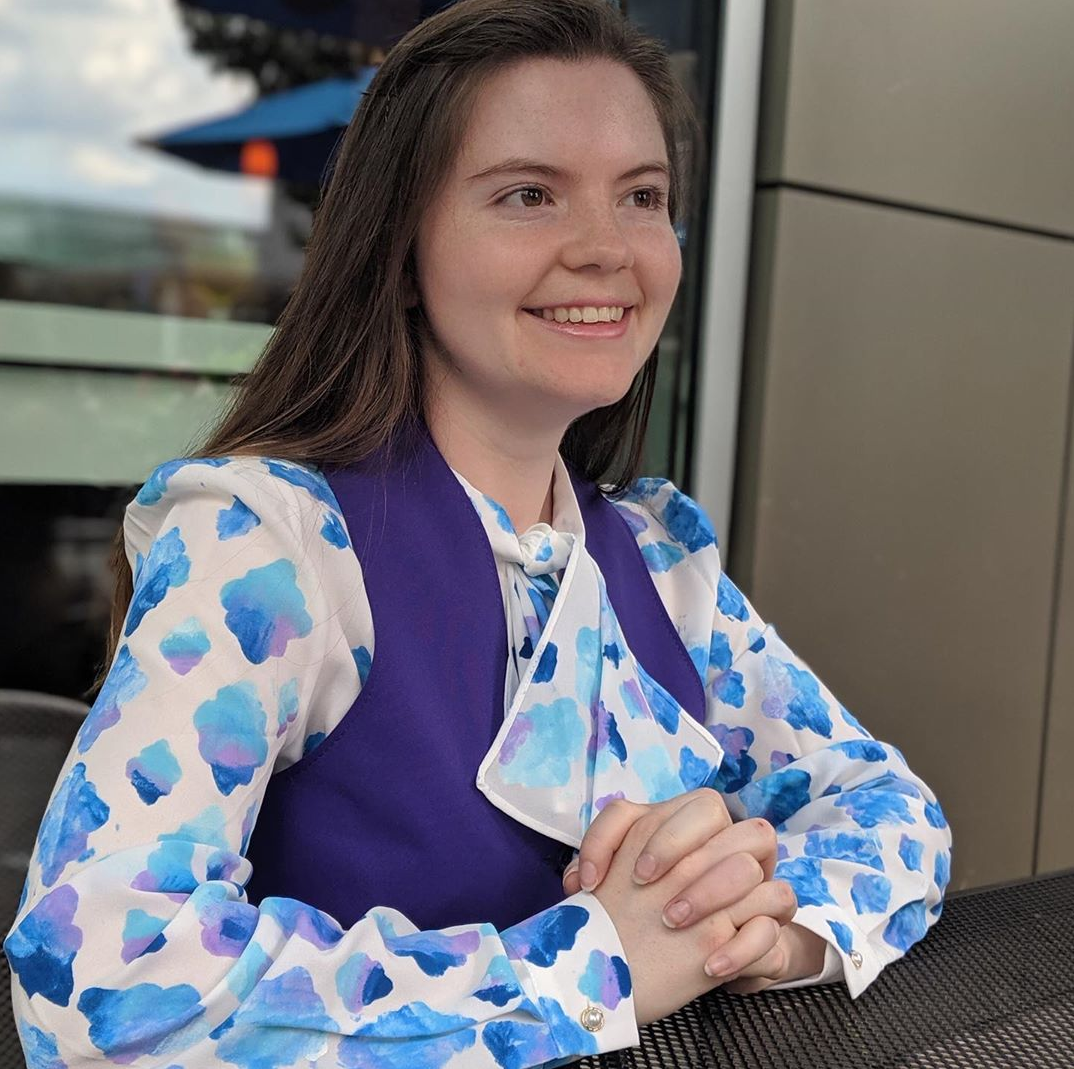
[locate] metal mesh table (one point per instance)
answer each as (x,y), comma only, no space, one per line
(991,987)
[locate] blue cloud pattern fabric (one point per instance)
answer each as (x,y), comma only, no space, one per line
(862,839)
(249,636)
(579,730)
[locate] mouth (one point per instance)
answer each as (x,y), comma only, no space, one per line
(600,329)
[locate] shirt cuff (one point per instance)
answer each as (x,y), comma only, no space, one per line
(848,955)
(581,980)
(830,971)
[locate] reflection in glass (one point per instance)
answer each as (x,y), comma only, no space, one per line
(134,285)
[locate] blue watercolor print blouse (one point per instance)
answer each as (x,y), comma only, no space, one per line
(247,639)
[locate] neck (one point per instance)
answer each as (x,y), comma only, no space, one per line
(513,467)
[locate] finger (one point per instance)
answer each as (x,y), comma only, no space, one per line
(768,836)
(773,898)
(703,816)
(718,887)
(603,838)
(771,967)
(572,881)
(609,829)
(754,838)
(753,940)
(762,842)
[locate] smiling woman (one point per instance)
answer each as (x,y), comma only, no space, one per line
(558,213)
(408,632)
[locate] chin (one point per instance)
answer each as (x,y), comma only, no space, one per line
(579,402)
(614,388)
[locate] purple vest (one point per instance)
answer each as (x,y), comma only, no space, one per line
(385,812)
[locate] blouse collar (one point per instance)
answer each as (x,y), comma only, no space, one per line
(540,549)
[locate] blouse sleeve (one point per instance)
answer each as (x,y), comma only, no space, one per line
(862,839)
(246,640)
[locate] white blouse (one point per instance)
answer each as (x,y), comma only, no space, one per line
(249,637)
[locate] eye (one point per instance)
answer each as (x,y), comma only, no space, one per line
(526,191)
(655,199)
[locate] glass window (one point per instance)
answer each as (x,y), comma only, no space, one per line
(135,284)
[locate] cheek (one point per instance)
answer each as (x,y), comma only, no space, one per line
(666,266)
(660,271)
(472,279)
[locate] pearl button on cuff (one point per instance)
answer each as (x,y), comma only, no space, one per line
(592,1018)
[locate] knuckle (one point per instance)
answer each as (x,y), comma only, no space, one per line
(786,899)
(751,869)
(766,834)
(714,804)
(714,933)
(619,809)
(620,818)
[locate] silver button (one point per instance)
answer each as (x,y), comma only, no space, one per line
(592,1018)
(856,959)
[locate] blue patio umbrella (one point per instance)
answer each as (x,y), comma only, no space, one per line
(288,135)
(375,22)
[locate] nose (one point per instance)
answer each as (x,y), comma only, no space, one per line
(595,238)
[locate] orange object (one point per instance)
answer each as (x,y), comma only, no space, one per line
(259,157)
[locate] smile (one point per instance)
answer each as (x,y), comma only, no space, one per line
(581,313)
(583,327)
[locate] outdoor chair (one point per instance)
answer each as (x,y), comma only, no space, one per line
(36,733)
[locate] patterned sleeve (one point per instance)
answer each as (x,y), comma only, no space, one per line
(247,638)
(862,839)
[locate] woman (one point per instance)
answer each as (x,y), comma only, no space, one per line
(353,719)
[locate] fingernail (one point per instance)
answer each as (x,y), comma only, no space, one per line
(644,868)
(587,873)
(676,913)
(718,966)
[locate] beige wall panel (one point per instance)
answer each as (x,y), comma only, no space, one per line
(962,105)
(1056,849)
(904,466)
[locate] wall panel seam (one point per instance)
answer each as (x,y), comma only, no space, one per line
(917,209)
(1057,587)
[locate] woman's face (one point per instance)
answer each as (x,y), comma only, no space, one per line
(556,203)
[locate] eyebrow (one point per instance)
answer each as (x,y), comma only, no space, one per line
(520,165)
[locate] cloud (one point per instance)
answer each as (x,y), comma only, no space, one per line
(106,167)
(12,65)
(81,80)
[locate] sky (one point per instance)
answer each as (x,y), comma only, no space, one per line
(80,80)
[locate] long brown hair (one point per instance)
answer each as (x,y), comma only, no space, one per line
(341,374)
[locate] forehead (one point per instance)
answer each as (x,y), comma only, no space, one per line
(564,113)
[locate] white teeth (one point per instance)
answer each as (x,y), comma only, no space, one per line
(587,314)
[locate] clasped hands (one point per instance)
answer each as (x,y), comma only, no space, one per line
(693,899)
